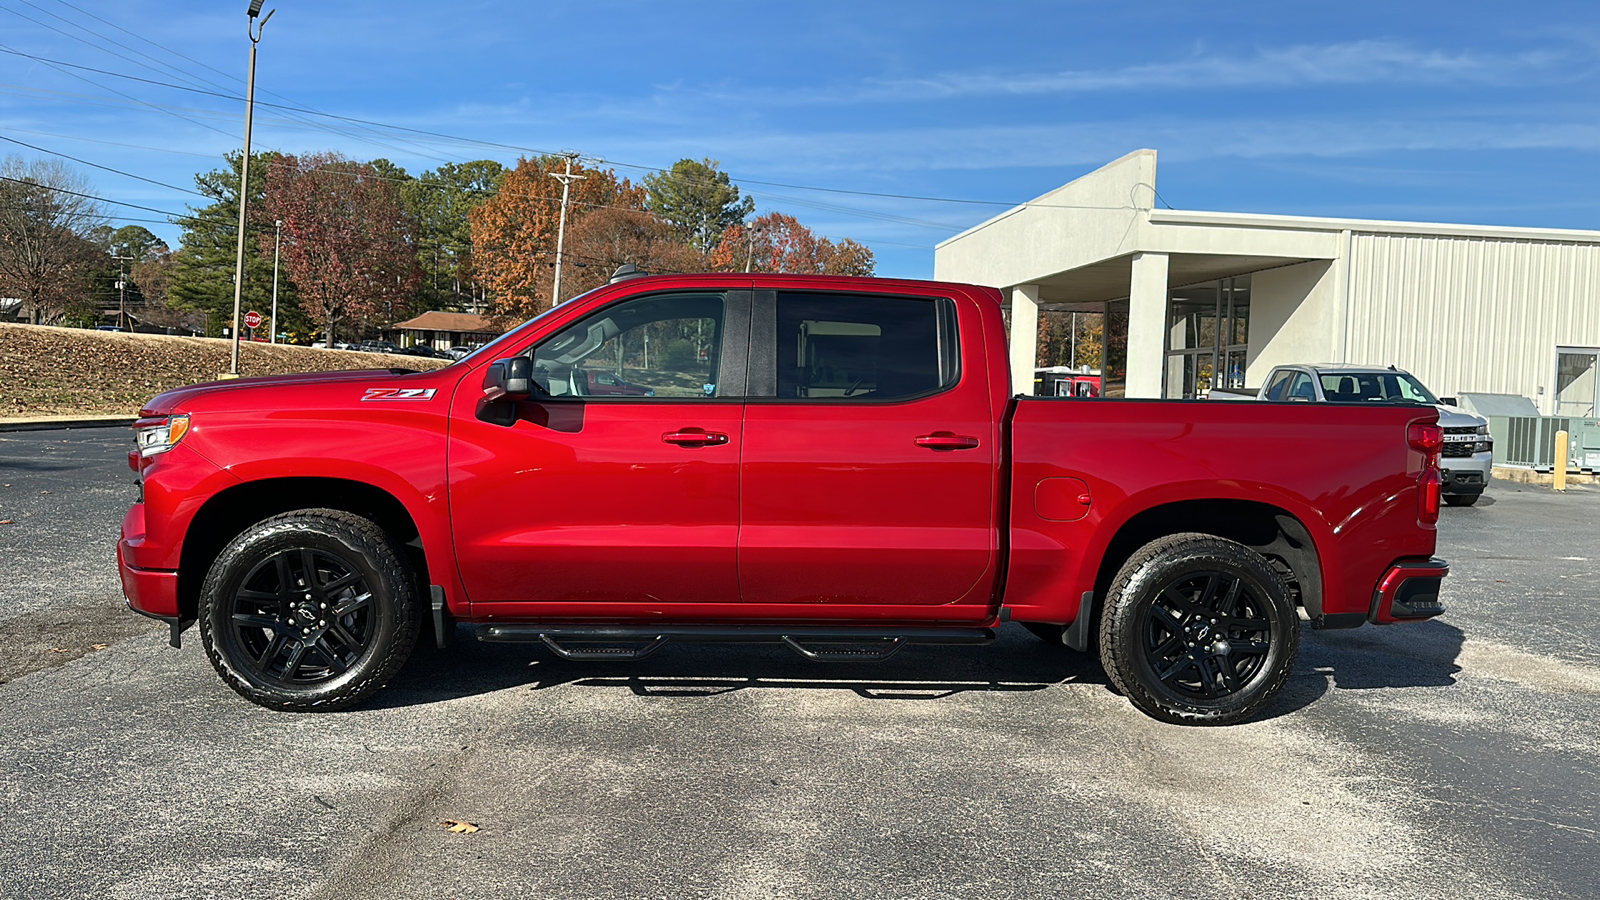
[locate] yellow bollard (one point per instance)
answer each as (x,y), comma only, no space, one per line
(1561,461)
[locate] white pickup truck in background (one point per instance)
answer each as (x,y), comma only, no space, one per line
(1468,450)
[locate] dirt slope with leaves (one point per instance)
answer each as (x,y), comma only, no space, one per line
(74,372)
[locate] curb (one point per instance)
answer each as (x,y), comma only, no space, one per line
(1531,476)
(50,424)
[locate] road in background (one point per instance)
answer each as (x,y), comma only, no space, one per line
(1451,758)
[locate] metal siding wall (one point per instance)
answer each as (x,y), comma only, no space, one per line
(1471,314)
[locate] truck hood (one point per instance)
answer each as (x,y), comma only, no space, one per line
(173,400)
(1456,417)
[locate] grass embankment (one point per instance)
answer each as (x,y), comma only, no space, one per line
(75,372)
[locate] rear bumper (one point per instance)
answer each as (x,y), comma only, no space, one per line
(1409,592)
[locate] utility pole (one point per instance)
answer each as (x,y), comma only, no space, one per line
(566,180)
(277,237)
(254,30)
(122,293)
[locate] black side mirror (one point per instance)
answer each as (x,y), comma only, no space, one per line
(1448,401)
(509,379)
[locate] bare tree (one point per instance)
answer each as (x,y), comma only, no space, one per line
(46,213)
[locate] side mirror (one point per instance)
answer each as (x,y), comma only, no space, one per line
(1448,401)
(509,379)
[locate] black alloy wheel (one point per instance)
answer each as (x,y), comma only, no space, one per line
(1199,630)
(302,616)
(310,610)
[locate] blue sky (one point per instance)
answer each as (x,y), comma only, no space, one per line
(1452,112)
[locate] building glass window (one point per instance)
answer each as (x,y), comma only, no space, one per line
(1207,339)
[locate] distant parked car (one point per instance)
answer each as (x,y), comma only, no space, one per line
(460,350)
(377,347)
(600,383)
(424,350)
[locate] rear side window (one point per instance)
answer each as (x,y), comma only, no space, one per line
(1276,389)
(849,347)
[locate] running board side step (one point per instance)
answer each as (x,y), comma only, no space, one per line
(638,642)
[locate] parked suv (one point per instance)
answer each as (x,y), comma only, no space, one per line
(1468,450)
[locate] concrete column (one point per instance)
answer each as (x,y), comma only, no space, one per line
(1147,324)
(1024,336)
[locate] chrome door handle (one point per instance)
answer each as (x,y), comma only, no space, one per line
(944,440)
(694,437)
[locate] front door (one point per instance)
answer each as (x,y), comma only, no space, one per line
(869,476)
(625,497)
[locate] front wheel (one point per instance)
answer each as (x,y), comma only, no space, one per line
(1461,499)
(309,610)
(1199,630)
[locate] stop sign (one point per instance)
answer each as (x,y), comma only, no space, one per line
(252,319)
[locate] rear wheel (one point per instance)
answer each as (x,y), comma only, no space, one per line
(310,610)
(1199,630)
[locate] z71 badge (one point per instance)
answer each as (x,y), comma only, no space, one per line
(399,394)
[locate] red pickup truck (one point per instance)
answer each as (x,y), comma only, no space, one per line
(836,464)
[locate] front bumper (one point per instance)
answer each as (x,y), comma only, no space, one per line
(1466,474)
(1409,592)
(150,592)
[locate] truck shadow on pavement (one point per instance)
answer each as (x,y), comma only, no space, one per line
(1420,655)
(1415,655)
(1015,662)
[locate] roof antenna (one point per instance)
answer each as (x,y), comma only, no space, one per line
(626,271)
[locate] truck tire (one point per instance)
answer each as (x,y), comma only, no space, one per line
(1199,630)
(1461,499)
(309,611)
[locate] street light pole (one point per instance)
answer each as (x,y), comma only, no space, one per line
(277,237)
(254,30)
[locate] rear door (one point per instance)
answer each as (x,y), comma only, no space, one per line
(870,456)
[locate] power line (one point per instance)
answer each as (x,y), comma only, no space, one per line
(59,67)
(58,190)
(416,147)
(105,168)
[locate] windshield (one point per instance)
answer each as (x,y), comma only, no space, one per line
(1379,387)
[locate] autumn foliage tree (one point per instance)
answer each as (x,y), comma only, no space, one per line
(346,238)
(514,232)
(779,243)
(604,239)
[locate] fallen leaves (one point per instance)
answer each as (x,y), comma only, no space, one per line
(6,522)
(459,827)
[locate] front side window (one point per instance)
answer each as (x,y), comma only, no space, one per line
(661,346)
(848,347)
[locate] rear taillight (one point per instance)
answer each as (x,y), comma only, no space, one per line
(1428,495)
(1428,439)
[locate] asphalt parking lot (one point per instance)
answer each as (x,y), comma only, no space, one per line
(1452,758)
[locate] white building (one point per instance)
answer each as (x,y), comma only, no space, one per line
(1221,298)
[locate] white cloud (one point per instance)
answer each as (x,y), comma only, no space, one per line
(1302,65)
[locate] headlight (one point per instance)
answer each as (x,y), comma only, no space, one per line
(1481,429)
(158,434)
